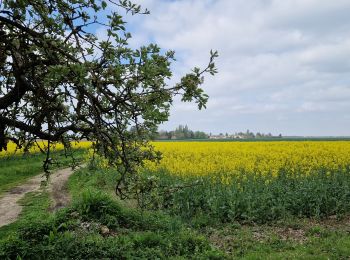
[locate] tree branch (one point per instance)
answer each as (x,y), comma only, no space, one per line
(16,94)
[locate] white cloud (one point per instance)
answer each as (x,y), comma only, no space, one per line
(278,60)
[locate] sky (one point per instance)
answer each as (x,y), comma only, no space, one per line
(284,66)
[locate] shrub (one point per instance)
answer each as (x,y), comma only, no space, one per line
(132,234)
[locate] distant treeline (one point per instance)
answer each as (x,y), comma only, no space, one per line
(183,132)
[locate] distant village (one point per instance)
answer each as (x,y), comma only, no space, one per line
(183,132)
(241,135)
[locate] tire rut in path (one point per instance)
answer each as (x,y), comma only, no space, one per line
(9,207)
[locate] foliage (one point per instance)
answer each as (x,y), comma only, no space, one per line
(252,200)
(60,82)
(181,132)
(99,207)
(77,232)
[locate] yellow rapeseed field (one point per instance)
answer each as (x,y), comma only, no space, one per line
(227,159)
(11,147)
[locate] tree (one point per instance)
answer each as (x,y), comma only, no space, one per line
(59,82)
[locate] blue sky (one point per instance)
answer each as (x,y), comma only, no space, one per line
(284,66)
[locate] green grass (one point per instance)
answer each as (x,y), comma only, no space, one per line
(76,231)
(35,207)
(17,169)
(301,239)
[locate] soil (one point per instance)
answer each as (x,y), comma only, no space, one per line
(10,208)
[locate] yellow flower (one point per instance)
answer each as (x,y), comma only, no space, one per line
(230,159)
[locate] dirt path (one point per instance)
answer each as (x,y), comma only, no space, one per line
(59,190)
(9,207)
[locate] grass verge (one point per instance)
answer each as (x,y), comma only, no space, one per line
(97,226)
(18,169)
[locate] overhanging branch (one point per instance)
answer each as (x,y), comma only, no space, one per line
(38,132)
(16,94)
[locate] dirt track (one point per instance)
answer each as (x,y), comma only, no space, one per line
(9,207)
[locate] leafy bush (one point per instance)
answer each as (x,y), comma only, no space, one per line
(75,233)
(100,207)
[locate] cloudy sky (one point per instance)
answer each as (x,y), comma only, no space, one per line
(284,66)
